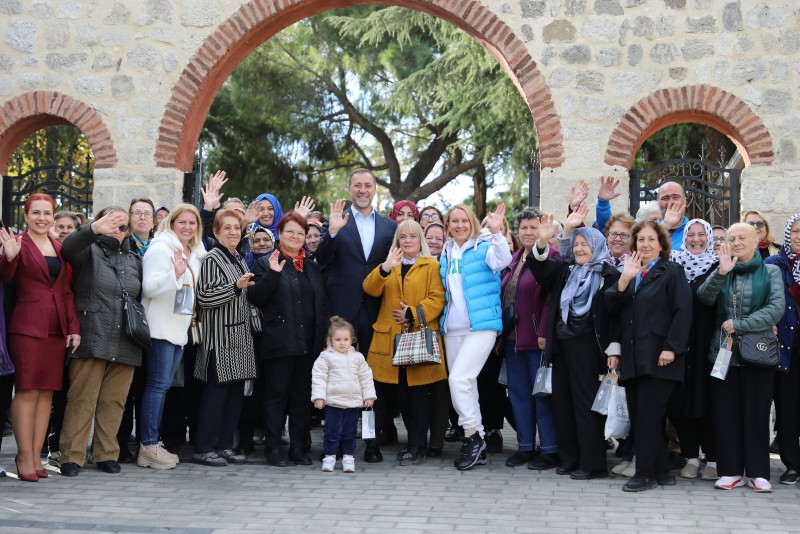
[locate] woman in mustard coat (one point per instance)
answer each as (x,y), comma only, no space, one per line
(407,279)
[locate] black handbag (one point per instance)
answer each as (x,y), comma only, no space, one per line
(136,325)
(756,349)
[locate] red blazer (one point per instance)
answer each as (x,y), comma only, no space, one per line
(35,294)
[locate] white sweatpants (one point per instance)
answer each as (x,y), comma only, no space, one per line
(466,356)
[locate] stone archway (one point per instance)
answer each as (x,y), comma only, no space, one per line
(29,112)
(703,104)
(258,20)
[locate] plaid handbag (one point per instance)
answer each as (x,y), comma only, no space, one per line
(420,347)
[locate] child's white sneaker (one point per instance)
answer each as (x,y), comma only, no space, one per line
(328,463)
(348,464)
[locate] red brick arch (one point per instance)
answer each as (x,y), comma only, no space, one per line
(258,20)
(703,104)
(27,113)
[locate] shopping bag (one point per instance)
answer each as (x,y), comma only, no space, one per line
(184,301)
(248,387)
(543,386)
(720,369)
(618,422)
(603,397)
(368,424)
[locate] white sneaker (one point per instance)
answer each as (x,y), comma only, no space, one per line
(348,464)
(621,467)
(709,473)
(328,463)
(155,457)
(728,483)
(630,471)
(760,485)
(690,470)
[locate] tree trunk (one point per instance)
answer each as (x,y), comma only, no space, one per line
(479,185)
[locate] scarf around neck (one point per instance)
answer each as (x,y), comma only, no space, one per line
(695,265)
(584,280)
(297,261)
(759,293)
(794,259)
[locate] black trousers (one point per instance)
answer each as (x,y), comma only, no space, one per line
(287,391)
(6,387)
(220,407)
(440,411)
(647,400)
(741,405)
(251,417)
(694,433)
(787,412)
(579,430)
(132,404)
(415,405)
(492,394)
(57,416)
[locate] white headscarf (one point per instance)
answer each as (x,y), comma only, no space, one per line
(695,265)
(794,260)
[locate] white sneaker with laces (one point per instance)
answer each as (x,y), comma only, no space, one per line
(328,463)
(348,464)
(760,485)
(728,483)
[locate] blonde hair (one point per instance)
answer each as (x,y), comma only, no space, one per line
(180,209)
(770,238)
(412,226)
(473,220)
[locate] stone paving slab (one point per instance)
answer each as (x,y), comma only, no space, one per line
(432,497)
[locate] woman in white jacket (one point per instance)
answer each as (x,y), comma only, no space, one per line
(172,261)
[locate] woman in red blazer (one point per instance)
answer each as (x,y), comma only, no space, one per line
(43,324)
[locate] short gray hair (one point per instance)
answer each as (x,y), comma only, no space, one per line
(528,213)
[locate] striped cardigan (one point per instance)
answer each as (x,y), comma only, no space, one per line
(225,321)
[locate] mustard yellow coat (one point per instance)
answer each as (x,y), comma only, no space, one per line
(422,287)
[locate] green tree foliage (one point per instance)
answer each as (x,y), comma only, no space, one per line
(394,90)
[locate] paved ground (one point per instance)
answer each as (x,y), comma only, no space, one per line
(378,498)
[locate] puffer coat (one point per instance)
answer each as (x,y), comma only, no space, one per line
(98,294)
(342,380)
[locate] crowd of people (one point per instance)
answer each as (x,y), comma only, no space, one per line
(260,319)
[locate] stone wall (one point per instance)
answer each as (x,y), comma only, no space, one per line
(583,66)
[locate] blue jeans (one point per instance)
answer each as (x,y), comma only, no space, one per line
(529,411)
(163,359)
(341,425)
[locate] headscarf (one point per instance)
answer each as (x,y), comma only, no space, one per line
(794,259)
(400,205)
(695,265)
(584,280)
(275,206)
(251,257)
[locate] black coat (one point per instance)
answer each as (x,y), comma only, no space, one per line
(653,319)
(552,274)
(278,296)
(689,399)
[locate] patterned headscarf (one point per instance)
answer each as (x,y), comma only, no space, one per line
(584,280)
(695,265)
(794,259)
(400,205)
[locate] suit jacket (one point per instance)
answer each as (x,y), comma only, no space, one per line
(344,258)
(35,294)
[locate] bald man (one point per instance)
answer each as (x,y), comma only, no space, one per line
(672,194)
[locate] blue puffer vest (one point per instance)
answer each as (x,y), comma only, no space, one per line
(481,289)
(789,320)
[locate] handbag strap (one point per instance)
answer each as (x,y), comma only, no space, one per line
(194,292)
(423,324)
(125,294)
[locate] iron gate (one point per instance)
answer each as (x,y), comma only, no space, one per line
(70,186)
(712,191)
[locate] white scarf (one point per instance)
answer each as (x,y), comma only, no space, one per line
(695,265)
(787,247)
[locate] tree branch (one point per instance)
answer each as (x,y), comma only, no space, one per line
(447,176)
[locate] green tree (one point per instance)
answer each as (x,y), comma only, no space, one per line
(394,90)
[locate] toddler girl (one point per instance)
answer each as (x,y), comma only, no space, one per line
(342,382)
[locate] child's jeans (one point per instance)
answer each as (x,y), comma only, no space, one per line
(341,425)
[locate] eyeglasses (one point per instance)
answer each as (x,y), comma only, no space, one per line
(139,214)
(292,233)
(720,240)
(430,217)
(757,224)
(619,235)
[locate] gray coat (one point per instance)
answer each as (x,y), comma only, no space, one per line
(752,321)
(98,294)
(224,321)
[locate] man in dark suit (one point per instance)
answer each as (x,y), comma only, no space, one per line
(354,242)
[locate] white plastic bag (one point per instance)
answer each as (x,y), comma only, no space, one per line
(368,424)
(618,422)
(543,386)
(603,397)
